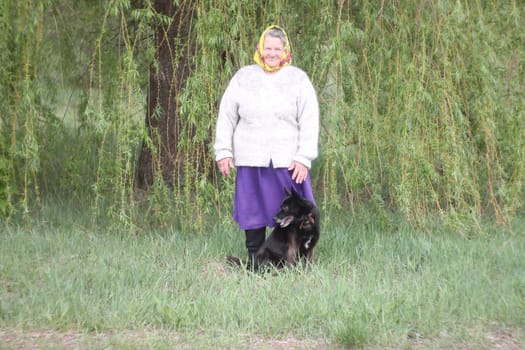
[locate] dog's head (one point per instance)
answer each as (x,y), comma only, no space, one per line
(295,209)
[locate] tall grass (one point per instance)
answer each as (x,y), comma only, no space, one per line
(368,286)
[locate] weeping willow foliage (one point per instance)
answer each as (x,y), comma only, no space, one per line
(22,107)
(422,105)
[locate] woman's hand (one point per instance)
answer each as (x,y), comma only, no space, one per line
(299,172)
(225,165)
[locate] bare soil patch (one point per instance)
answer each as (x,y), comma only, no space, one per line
(11,338)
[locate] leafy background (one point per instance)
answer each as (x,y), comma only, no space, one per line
(421,104)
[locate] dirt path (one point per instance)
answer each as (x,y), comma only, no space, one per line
(38,339)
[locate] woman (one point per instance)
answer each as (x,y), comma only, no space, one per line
(267,129)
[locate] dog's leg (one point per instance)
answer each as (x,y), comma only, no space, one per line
(310,255)
(293,248)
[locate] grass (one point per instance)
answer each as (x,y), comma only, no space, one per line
(369,287)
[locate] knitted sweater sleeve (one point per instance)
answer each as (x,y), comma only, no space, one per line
(308,121)
(226,122)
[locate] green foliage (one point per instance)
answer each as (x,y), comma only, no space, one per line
(418,98)
(421,106)
(4,190)
(22,104)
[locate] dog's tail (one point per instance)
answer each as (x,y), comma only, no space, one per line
(236,262)
(233,260)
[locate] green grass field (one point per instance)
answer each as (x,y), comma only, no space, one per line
(64,286)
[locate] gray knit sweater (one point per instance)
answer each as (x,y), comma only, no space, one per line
(268,116)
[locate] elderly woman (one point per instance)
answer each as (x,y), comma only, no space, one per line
(267,129)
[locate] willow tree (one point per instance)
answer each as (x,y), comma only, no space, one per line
(159,155)
(422,105)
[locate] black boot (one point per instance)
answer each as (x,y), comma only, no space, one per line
(254,240)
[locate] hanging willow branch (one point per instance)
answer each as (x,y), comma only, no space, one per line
(421,106)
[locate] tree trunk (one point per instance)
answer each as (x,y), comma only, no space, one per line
(160,157)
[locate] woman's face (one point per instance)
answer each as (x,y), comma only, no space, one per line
(273,51)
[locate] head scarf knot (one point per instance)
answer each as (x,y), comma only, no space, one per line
(286,59)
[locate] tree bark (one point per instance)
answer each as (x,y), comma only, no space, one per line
(173,41)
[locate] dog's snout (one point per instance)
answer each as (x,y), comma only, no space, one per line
(284,221)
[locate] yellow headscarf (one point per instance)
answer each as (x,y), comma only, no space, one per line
(287,55)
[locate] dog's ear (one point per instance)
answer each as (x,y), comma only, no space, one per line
(310,218)
(295,193)
(287,191)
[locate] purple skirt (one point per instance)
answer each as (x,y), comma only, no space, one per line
(259,193)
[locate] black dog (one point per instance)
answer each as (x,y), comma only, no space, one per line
(294,237)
